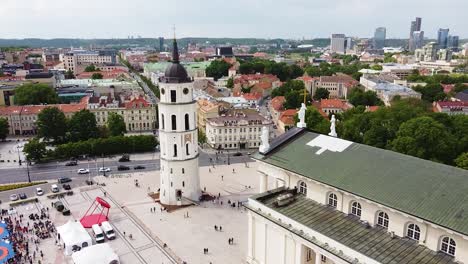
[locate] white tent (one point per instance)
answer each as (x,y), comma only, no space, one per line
(97,254)
(73,235)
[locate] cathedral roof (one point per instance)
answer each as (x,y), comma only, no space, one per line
(175,72)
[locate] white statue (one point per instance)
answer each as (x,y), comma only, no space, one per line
(301,114)
(333,127)
(265,136)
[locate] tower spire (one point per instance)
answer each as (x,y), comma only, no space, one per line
(175,50)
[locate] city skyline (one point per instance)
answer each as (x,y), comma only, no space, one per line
(294,20)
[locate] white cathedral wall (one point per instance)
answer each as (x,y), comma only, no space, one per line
(174,178)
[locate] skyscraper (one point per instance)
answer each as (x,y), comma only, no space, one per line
(415,26)
(418,39)
(379,37)
(452,43)
(442,38)
(338,43)
(161,44)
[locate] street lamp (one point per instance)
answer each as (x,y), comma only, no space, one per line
(27,169)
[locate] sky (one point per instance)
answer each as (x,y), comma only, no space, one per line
(294,19)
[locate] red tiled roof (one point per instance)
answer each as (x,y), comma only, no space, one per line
(307,78)
(287,117)
(263,85)
(71,108)
(277,103)
(448,87)
(252,96)
(447,104)
(372,108)
(332,103)
(33,109)
(136,102)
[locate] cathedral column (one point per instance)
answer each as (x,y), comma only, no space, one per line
(263,182)
(318,258)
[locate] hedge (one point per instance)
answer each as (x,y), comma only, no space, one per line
(13,186)
(106,146)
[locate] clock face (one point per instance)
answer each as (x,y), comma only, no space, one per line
(188,138)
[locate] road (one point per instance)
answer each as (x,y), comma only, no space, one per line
(145,87)
(56,170)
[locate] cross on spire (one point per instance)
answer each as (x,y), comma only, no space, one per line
(175,50)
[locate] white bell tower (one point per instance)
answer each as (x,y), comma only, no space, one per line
(178,134)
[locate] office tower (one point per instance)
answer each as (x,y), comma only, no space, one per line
(452,43)
(442,38)
(161,44)
(338,43)
(418,39)
(379,37)
(349,44)
(415,26)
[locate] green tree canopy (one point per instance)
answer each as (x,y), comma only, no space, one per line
(359,97)
(201,137)
(291,85)
(376,67)
(82,126)
(462,161)
(35,150)
(52,124)
(230,83)
(69,75)
(91,68)
(97,76)
(293,99)
(34,94)
(116,125)
(217,69)
(431,92)
(315,121)
(4,128)
(321,93)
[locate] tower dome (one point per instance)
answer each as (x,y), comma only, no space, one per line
(175,72)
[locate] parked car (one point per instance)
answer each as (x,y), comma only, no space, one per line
(123,167)
(66,187)
(139,167)
(23,196)
(14,197)
(83,171)
(39,191)
(71,163)
(64,180)
(54,188)
(124,158)
(104,169)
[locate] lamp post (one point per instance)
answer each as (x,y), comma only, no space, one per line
(19,156)
(27,169)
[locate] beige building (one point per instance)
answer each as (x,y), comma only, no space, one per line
(206,109)
(77,60)
(337,85)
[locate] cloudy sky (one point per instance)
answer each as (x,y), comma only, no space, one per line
(226,18)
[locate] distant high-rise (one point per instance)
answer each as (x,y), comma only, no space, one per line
(338,44)
(379,37)
(442,38)
(418,39)
(415,26)
(161,44)
(349,44)
(452,43)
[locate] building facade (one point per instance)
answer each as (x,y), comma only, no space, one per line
(338,44)
(178,134)
(379,37)
(442,38)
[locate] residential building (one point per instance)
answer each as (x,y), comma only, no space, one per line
(415,26)
(338,85)
(426,53)
(400,70)
(386,88)
(451,107)
(253,99)
(308,82)
(340,202)
(442,38)
(338,44)
(236,130)
(286,120)
(276,107)
(77,60)
(439,65)
(207,109)
(444,54)
(334,106)
(379,37)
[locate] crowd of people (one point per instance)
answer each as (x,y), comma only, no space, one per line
(26,235)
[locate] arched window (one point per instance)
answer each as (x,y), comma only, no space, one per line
(174,122)
(183,170)
(173,96)
(448,246)
(187,149)
(413,232)
(175,150)
(382,219)
(183,184)
(187,125)
(332,200)
(162,121)
(356,209)
(303,188)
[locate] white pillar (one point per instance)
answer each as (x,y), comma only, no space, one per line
(298,258)
(263,182)
(276,183)
(251,237)
(318,258)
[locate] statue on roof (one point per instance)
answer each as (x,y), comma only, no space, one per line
(265,137)
(333,127)
(301,114)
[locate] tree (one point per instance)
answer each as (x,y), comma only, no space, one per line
(459,87)
(82,126)
(201,137)
(69,75)
(52,124)
(217,69)
(34,94)
(35,150)
(295,71)
(293,99)
(116,125)
(91,68)
(291,85)
(359,97)
(462,161)
(377,67)
(425,138)
(4,128)
(315,121)
(230,83)
(431,92)
(321,93)
(97,76)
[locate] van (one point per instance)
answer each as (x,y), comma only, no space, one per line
(108,230)
(98,234)
(54,188)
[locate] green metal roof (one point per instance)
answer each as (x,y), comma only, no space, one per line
(375,243)
(428,190)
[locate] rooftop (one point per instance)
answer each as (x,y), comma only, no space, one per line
(376,243)
(424,189)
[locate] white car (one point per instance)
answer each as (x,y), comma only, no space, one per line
(83,171)
(39,191)
(14,197)
(104,169)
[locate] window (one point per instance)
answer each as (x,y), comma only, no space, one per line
(187,149)
(356,209)
(183,184)
(309,254)
(332,200)
(173,96)
(448,246)
(187,125)
(185,90)
(382,219)
(303,187)
(413,232)
(324,259)
(175,150)
(183,170)
(174,122)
